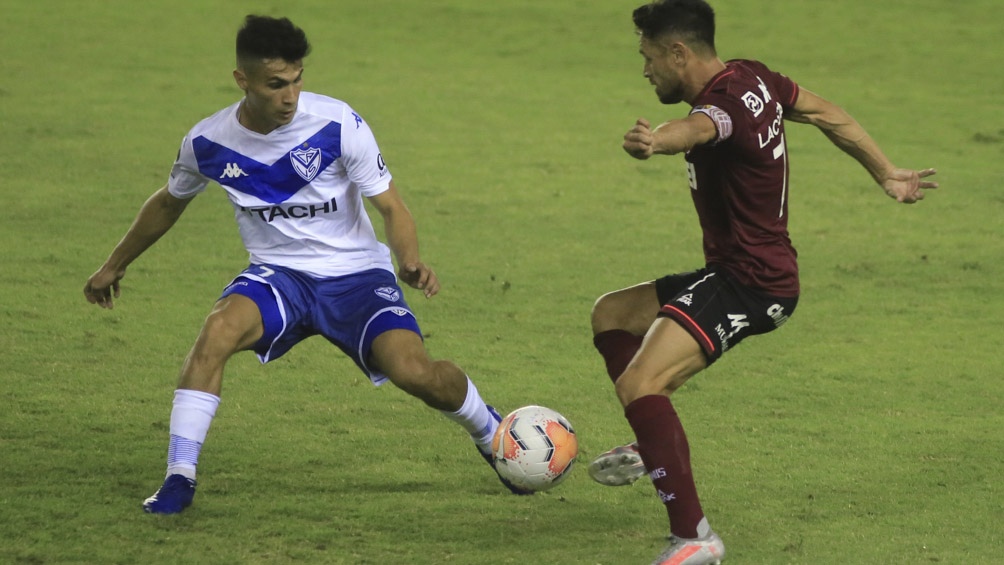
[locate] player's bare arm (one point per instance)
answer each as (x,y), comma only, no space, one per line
(402,238)
(905,185)
(157,215)
(669,138)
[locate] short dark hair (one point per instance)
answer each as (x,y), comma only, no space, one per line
(262,37)
(691,20)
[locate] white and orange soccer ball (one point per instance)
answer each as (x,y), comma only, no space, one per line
(534,448)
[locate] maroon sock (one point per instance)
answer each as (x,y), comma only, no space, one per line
(617,348)
(663,447)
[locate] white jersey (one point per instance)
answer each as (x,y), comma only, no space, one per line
(296,191)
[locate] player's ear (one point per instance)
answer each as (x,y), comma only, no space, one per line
(678,51)
(241,79)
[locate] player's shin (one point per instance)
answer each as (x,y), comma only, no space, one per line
(191,415)
(474,417)
(663,447)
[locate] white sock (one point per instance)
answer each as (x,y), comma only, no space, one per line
(703,528)
(191,416)
(475,418)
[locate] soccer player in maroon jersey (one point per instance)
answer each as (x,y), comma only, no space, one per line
(656,335)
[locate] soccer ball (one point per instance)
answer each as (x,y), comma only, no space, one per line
(534,448)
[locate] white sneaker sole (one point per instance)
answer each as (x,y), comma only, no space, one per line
(620,466)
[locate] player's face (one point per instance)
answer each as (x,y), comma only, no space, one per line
(271,92)
(661,71)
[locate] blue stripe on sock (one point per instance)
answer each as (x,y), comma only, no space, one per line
(183,451)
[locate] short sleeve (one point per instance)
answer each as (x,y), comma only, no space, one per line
(186,181)
(787,89)
(723,122)
(361,156)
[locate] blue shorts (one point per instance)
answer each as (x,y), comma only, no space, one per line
(349,311)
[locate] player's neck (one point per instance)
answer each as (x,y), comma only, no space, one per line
(246,118)
(699,75)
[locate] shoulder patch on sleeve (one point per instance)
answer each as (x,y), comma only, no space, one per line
(723,122)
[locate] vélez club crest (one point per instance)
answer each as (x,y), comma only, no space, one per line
(306,162)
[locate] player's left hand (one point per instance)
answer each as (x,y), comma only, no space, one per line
(421,276)
(906,186)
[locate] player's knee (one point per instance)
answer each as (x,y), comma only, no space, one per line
(633,385)
(606,313)
(632,309)
(439,384)
(221,336)
(412,374)
(627,388)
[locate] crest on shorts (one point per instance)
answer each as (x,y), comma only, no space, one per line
(388,293)
(306,162)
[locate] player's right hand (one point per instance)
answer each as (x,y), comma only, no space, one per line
(638,141)
(103,286)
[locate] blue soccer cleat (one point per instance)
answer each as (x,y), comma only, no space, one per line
(174,496)
(490,459)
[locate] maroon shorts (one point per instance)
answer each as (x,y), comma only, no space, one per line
(719,311)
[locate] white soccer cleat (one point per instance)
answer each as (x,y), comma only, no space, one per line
(704,551)
(618,467)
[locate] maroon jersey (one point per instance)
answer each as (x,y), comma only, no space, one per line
(739,181)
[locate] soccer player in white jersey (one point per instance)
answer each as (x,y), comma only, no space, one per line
(295,166)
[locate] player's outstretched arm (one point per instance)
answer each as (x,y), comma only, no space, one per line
(905,185)
(402,238)
(669,138)
(157,215)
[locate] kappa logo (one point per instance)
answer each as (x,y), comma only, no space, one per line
(666,497)
(687,299)
(401,312)
(232,171)
(388,293)
(306,162)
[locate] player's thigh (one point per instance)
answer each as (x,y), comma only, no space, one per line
(233,325)
(720,313)
(632,309)
(669,355)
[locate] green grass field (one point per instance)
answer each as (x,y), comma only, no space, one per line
(867,430)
